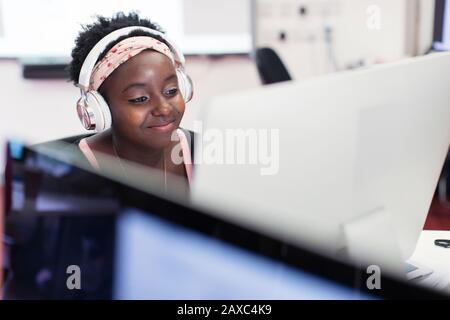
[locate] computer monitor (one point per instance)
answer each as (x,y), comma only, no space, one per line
(346,163)
(441,35)
(129,243)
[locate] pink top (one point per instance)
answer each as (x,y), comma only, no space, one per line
(187,160)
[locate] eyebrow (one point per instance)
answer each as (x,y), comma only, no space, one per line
(141,84)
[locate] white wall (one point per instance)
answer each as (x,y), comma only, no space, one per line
(355,32)
(197,26)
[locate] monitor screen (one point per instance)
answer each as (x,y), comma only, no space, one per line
(48,28)
(161,260)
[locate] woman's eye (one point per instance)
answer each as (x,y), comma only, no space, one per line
(138,100)
(171,92)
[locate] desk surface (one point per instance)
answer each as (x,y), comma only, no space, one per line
(434,257)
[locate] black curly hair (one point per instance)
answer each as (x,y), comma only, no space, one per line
(93,33)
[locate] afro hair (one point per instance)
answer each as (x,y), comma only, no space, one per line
(93,33)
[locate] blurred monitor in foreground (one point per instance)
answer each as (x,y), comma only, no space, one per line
(127,242)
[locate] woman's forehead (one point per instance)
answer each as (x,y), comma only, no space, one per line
(148,63)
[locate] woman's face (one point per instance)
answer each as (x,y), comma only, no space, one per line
(145,102)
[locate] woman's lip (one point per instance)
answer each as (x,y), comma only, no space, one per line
(164,127)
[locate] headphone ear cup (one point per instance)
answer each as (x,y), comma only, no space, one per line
(85,115)
(185,85)
(102,115)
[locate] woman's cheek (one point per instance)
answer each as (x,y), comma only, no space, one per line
(181,106)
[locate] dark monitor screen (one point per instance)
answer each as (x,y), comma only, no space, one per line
(441,36)
(131,244)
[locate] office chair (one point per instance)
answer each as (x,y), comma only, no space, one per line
(270,67)
(443,187)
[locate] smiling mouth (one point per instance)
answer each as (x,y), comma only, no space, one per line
(163,127)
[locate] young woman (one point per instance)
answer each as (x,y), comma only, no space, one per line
(133,83)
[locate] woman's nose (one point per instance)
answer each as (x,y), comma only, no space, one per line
(161,107)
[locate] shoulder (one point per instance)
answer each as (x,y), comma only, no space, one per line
(100,142)
(70,140)
(65,144)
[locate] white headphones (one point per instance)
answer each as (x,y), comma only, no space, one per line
(92,108)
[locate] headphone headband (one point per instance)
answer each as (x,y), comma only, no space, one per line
(97,50)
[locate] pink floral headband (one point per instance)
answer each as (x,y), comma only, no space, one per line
(122,52)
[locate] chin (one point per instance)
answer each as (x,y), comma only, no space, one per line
(159,140)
